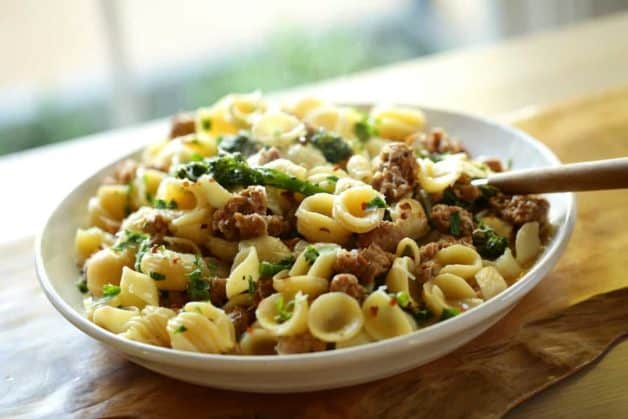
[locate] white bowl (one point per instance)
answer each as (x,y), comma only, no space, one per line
(57,272)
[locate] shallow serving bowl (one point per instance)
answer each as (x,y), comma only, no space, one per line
(57,272)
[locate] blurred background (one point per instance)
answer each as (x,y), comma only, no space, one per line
(74,67)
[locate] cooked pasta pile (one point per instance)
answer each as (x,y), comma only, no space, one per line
(263,229)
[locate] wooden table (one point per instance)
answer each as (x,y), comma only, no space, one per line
(594,392)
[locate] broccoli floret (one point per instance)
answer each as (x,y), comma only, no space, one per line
(232,170)
(239,143)
(364,129)
(488,243)
(333,147)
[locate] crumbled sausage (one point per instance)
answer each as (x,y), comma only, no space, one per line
(466,192)
(299,344)
(263,289)
(241,317)
(442,216)
(429,250)
(244,216)
(520,209)
(396,173)
(494,164)
(427,270)
(348,283)
(385,236)
(182,124)
(268,154)
(366,264)
(156,225)
(437,141)
(218,291)
(123,174)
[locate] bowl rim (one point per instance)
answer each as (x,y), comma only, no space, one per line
(225,362)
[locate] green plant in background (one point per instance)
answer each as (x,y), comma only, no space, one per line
(289,58)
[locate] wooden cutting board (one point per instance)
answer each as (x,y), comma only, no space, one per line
(50,369)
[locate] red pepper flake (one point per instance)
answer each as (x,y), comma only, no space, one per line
(393,301)
(364,206)
(249,330)
(373,310)
(175,260)
(204,226)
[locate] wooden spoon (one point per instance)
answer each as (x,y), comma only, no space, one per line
(584,176)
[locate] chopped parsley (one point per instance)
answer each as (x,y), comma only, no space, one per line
(283,311)
(131,239)
(110,290)
(374,203)
(157,276)
(450,198)
(448,313)
(144,248)
(311,254)
(161,204)
(198,287)
(180,329)
(81,285)
(333,178)
(252,286)
(454,224)
(270,269)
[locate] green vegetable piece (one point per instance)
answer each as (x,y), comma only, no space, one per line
(180,329)
(252,286)
(450,198)
(403,298)
(284,311)
(364,130)
(198,287)
(422,315)
(157,276)
(375,203)
(311,254)
(161,204)
(448,313)
(110,290)
(333,147)
(488,243)
(232,171)
(270,269)
(207,124)
(239,143)
(196,157)
(81,285)
(488,191)
(131,239)
(454,224)
(144,248)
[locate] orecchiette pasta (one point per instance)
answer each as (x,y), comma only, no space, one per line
(275,314)
(253,228)
(527,242)
(459,260)
(383,320)
(334,317)
(201,327)
(316,223)
(150,326)
(358,209)
(245,271)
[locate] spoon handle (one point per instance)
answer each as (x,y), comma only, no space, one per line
(585,176)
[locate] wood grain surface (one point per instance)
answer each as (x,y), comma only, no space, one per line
(50,369)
